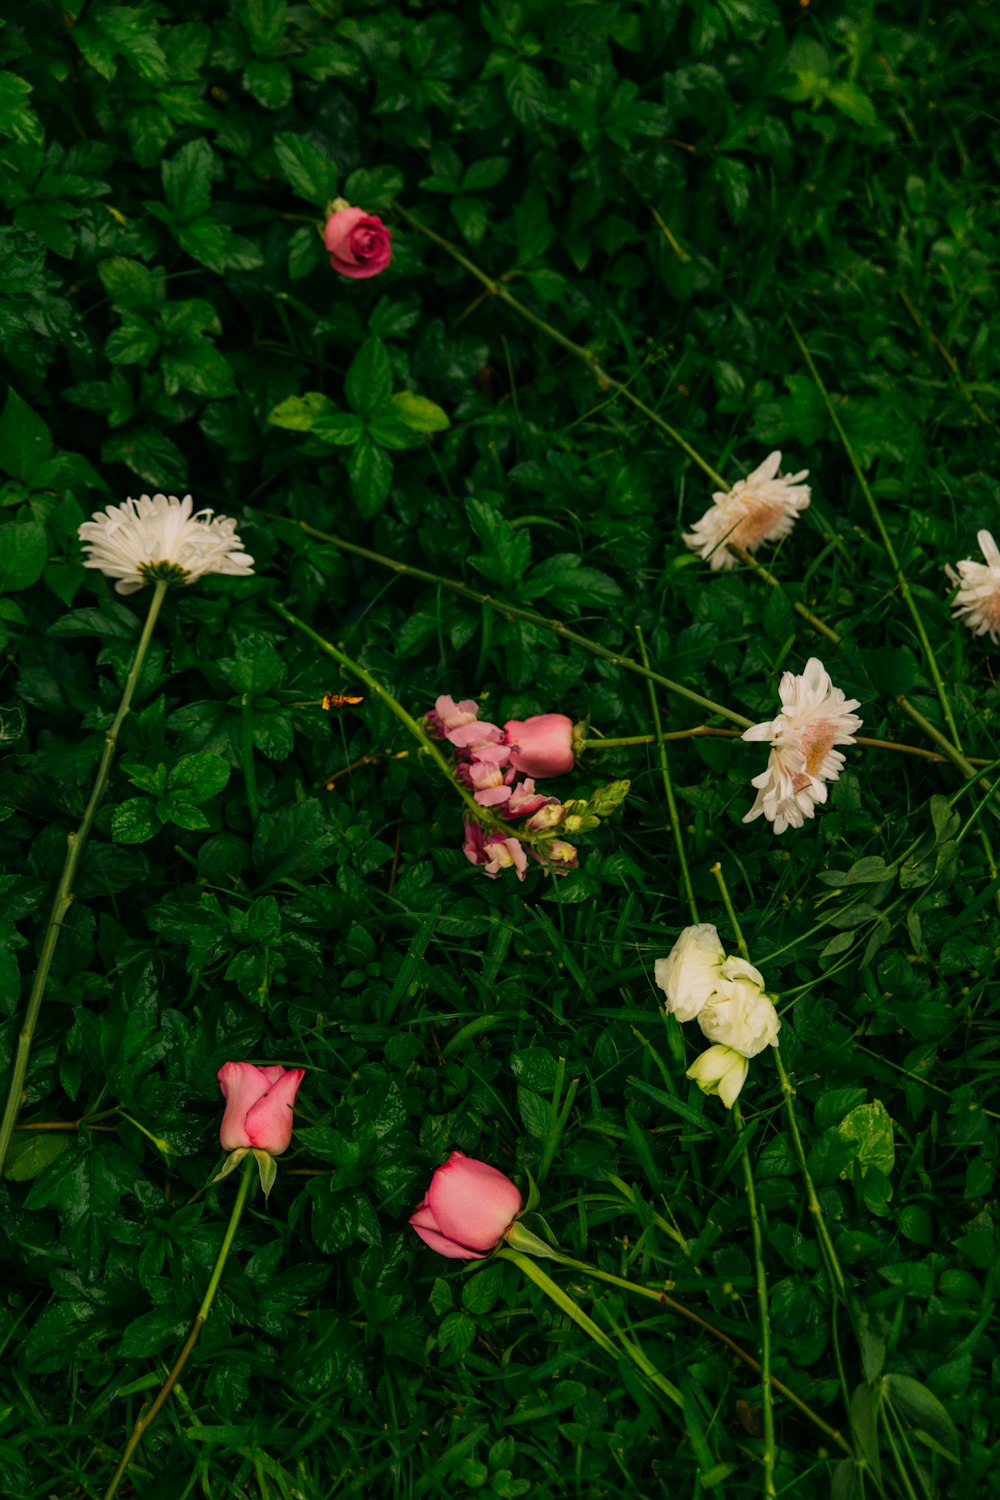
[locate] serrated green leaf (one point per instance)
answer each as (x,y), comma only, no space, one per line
(134,821)
(368,384)
(199,776)
(187,180)
(23,555)
(307,168)
(298,413)
(25,442)
(419,413)
(371,476)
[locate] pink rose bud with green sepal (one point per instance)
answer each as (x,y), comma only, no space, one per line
(468,1208)
(541,745)
(259,1104)
(359,243)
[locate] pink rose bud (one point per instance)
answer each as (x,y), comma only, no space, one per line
(359,244)
(468,1208)
(541,745)
(259,1104)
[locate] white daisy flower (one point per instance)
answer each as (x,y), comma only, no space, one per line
(761,508)
(815,716)
(977,602)
(156,538)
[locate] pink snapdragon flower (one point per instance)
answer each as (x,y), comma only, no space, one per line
(557,854)
(447,715)
(467,1209)
(541,745)
(524,801)
(493,853)
(359,243)
(489,782)
(259,1104)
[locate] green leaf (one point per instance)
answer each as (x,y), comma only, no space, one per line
(131,285)
(151,455)
(307,168)
(25,442)
(199,776)
(419,413)
(506,551)
(371,476)
(298,413)
(134,343)
(134,821)
(485,174)
(187,181)
(17,118)
(472,217)
(852,101)
(344,428)
(31,1154)
(374,189)
(264,23)
(23,555)
(368,384)
(923,1410)
(146,778)
(197,367)
(270,83)
(868,1128)
(178,808)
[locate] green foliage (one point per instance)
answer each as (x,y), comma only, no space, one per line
(271,880)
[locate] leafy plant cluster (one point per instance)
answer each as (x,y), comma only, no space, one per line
(657,183)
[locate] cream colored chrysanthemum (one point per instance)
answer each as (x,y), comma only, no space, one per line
(977,603)
(761,508)
(815,716)
(159,538)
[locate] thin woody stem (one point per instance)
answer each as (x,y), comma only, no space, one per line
(587,356)
(515,612)
(767,1398)
(701,731)
(800,609)
(144,1423)
(63,900)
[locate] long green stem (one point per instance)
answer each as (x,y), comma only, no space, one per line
(605,381)
(515,612)
(890,551)
(427,745)
(668,788)
(75,843)
(664,1299)
(144,1423)
(834,1271)
(767,1398)
(705,731)
(727,902)
(566,1304)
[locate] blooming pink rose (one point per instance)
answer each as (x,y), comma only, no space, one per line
(468,1208)
(359,243)
(541,745)
(259,1104)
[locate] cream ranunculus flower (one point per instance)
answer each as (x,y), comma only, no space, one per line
(739,1015)
(722,1071)
(761,508)
(690,972)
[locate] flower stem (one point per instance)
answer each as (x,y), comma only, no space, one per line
(144,1423)
(63,899)
(767,1399)
(834,1271)
(675,822)
(701,731)
(665,1300)
(800,609)
(427,745)
(566,1304)
(727,902)
(890,551)
(605,381)
(515,612)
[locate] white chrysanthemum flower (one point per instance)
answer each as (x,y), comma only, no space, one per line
(815,716)
(761,508)
(977,602)
(159,538)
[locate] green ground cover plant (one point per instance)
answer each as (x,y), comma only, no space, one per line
(609,258)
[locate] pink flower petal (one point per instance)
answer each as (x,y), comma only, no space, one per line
(472,1202)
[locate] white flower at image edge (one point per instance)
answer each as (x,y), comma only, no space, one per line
(815,716)
(690,971)
(977,603)
(761,508)
(722,1071)
(158,537)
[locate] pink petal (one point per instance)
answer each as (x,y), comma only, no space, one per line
(242,1085)
(269,1122)
(472,1202)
